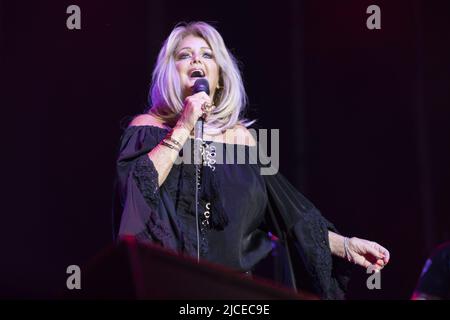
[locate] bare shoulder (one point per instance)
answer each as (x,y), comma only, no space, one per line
(146,120)
(242,135)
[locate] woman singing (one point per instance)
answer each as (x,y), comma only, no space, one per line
(242,212)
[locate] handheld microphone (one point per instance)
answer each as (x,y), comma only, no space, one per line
(200,85)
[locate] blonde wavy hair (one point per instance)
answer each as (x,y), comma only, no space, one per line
(166,93)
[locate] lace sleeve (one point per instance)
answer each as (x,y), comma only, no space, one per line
(307,231)
(137,208)
(146,178)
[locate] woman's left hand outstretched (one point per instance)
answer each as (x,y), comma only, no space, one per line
(366,253)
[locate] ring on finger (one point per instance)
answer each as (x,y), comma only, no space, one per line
(207,107)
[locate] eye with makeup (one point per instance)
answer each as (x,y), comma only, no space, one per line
(208,55)
(183,55)
(187,55)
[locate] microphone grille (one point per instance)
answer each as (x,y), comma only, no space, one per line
(201,85)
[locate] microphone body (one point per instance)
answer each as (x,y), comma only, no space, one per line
(200,85)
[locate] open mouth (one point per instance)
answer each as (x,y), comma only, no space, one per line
(198,73)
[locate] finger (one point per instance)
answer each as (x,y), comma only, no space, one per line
(380,263)
(202,95)
(377,268)
(365,263)
(372,250)
(199,100)
(384,253)
(387,255)
(380,251)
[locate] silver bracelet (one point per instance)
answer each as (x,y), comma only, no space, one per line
(346,250)
(164,143)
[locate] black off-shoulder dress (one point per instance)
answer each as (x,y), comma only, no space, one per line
(241,213)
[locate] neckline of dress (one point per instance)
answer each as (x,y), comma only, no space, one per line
(207,141)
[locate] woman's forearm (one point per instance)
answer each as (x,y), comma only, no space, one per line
(336,244)
(164,157)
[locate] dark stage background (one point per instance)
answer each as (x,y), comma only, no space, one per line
(363,118)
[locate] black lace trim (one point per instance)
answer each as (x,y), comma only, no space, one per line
(146,178)
(323,262)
